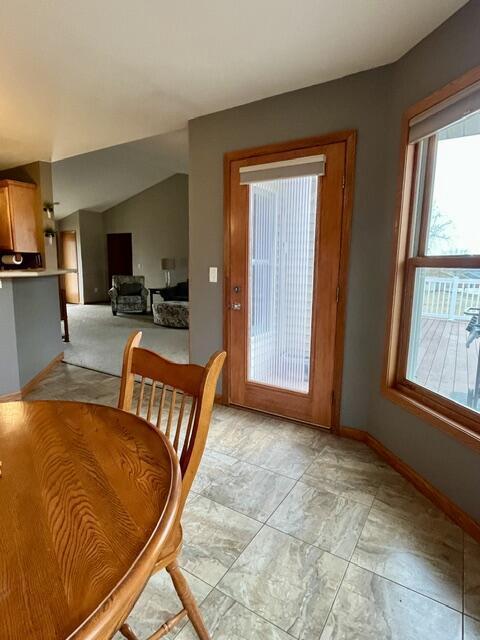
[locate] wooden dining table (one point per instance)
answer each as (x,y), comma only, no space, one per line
(88,496)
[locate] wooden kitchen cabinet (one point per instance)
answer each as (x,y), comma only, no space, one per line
(18,218)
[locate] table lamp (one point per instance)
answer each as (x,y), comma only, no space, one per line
(168,264)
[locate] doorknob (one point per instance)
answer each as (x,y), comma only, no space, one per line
(236,306)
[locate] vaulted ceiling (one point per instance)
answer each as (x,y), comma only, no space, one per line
(101,179)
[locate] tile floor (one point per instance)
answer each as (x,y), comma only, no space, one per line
(293,533)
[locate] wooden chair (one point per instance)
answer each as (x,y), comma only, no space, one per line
(179,402)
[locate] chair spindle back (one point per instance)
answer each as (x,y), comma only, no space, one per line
(176,398)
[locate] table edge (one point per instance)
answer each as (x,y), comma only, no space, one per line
(115,607)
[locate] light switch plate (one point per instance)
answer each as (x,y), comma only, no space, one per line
(213,274)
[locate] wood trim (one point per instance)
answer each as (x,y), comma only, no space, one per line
(273,414)
(389,388)
(41,375)
(450,89)
(11,397)
(406,320)
(219,399)
(428,398)
(459,262)
(348,195)
(6,228)
(443,419)
(7,182)
(19,395)
(400,244)
(440,500)
(279,147)
(303,423)
(227,162)
(427,194)
(349,138)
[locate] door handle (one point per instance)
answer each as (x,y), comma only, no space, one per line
(236,306)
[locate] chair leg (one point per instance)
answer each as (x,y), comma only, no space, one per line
(127,632)
(188,601)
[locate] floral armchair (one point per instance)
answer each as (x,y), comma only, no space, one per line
(128,294)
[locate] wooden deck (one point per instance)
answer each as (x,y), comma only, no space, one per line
(445,365)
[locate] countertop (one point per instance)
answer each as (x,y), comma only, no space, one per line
(31,273)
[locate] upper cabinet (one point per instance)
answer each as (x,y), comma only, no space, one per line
(18,220)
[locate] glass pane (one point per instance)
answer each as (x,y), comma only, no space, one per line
(281,268)
(454,226)
(445,334)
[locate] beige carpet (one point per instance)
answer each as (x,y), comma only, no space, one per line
(97,338)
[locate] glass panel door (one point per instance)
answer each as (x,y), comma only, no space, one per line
(284,255)
(281,265)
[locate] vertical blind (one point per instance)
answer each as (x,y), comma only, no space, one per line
(282,225)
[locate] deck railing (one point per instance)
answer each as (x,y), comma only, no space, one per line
(449,297)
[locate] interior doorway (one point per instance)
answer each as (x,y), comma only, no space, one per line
(288,217)
(69,261)
(119,255)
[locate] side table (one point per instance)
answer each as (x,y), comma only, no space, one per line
(154,291)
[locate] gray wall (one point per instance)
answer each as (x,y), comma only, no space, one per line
(356,102)
(29,308)
(372,103)
(30,334)
(9,378)
(94,256)
(99,180)
(158,221)
(452,467)
(37,322)
(91,253)
(46,195)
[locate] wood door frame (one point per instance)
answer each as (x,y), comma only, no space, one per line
(63,233)
(349,137)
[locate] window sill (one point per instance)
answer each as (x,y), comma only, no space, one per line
(460,431)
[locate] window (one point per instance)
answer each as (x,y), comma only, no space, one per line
(434,359)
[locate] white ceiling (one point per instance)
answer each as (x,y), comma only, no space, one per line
(101,179)
(84,75)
